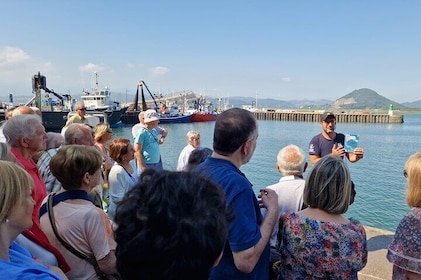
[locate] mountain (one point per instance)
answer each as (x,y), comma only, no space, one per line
(360,99)
(239,101)
(364,99)
(414,104)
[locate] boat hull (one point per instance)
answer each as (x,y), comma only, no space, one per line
(130,118)
(180,119)
(198,117)
(56,120)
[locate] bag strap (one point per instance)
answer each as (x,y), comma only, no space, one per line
(72,194)
(62,241)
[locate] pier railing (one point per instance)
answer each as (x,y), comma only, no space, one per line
(315,117)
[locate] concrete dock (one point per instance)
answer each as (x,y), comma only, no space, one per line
(378,267)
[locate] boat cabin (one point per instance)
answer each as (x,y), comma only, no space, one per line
(100,100)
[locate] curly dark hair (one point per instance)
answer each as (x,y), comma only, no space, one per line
(172,225)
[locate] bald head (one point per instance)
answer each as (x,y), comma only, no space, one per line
(79,134)
(22,110)
(37,111)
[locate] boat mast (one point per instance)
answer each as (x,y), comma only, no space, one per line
(96,80)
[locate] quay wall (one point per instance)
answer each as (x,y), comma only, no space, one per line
(315,117)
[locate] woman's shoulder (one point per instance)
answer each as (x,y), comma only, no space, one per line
(22,266)
(410,225)
(116,168)
(405,249)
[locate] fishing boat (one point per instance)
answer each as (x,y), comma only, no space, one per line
(203,117)
(167,115)
(55,112)
(203,111)
(99,100)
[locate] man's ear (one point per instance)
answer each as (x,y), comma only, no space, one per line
(245,148)
(278,168)
(24,142)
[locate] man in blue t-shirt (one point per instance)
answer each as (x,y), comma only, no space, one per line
(146,143)
(246,253)
(331,143)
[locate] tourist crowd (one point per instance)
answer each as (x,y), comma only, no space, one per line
(83,205)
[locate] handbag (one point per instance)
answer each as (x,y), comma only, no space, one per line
(92,261)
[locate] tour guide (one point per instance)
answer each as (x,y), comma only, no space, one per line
(331,143)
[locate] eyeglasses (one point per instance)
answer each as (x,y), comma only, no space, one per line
(82,109)
(405,174)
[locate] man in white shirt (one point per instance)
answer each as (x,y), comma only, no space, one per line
(291,163)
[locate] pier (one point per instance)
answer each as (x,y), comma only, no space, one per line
(340,117)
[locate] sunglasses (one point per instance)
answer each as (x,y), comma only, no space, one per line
(82,109)
(405,174)
(109,131)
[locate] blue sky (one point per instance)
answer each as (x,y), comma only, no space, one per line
(273,49)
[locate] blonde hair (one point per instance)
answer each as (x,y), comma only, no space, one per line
(15,184)
(413,169)
(100,130)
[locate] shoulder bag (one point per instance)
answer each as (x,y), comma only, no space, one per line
(90,260)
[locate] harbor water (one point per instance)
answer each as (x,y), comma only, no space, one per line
(379,180)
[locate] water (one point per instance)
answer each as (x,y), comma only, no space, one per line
(380,185)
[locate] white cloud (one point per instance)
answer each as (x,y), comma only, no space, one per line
(159,71)
(286,79)
(90,67)
(11,57)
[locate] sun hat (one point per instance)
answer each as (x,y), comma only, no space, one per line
(151,115)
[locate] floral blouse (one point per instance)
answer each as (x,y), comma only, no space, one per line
(405,250)
(313,249)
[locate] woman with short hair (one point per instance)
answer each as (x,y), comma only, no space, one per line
(405,249)
(78,222)
(123,175)
(318,242)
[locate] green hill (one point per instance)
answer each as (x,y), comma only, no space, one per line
(365,99)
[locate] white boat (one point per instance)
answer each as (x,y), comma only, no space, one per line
(99,100)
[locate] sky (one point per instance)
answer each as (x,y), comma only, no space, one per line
(278,49)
